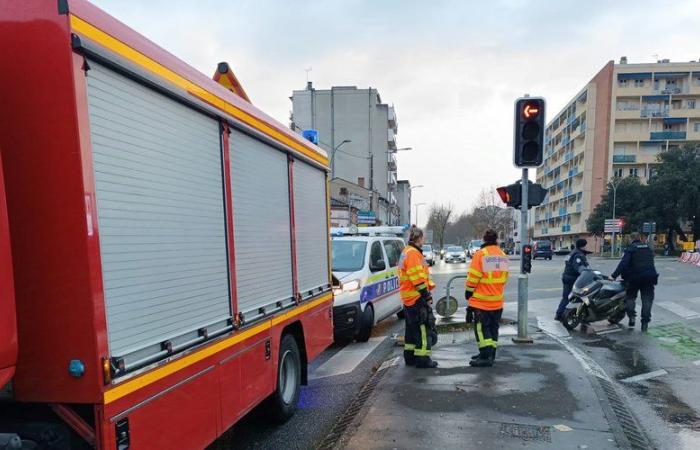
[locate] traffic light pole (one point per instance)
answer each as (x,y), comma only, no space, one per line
(523,276)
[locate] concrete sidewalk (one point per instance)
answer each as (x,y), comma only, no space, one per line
(535,396)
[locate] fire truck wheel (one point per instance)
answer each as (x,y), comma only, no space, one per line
(283,402)
(366,324)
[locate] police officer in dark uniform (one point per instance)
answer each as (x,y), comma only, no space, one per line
(575,263)
(637,269)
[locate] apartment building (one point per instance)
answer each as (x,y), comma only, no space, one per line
(403,200)
(359,133)
(615,126)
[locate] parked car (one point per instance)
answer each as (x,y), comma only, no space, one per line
(429,254)
(455,254)
(562,251)
(474,245)
(542,249)
(366,267)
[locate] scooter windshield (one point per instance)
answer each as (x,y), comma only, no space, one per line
(586,278)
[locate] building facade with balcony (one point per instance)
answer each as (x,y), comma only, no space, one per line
(614,127)
(403,199)
(346,113)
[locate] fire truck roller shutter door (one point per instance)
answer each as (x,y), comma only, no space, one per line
(311,223)
(160,208)
(261,224)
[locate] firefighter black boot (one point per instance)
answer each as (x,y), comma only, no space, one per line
(409,358)
(424,362)
(484,360)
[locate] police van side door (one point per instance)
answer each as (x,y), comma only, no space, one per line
(374,287)
(393,249)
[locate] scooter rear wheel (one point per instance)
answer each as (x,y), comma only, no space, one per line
(617,317)
(571,319)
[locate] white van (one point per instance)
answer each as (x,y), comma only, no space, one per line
(365,261)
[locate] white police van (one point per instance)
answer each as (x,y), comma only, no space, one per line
(365,262)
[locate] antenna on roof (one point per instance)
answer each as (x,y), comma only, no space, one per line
(307,70)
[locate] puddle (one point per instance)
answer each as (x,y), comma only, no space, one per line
(660,396)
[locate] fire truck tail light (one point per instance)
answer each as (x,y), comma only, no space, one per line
(107,370)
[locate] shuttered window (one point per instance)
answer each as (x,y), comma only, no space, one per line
(160,208)
(261,224)
(310,218)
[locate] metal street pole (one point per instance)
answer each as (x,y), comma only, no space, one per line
(612,244)
(523,276)
(417,205)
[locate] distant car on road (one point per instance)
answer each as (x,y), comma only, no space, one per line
(542,249)
(429,254)
(455,254)
(562,251)
(474,245)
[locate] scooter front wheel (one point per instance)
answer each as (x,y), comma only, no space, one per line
(571,319)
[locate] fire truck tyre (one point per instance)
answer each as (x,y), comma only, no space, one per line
(366,324)
(283,402)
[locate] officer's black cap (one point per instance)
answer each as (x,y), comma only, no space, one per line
(580,243)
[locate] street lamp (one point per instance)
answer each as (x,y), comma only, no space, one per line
(417,205)
(335,149)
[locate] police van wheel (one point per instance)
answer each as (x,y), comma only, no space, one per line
(366,324)
(283,402)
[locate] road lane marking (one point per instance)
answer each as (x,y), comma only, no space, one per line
(347,359)
(614,330)
(697,363)
(679,310)
(645,376)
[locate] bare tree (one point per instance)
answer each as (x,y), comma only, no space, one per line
(488,214)
(438,219)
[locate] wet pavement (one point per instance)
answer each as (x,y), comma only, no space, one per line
(536,396)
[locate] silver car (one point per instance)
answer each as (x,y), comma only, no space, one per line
(455,254)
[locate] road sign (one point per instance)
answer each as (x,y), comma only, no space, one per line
(366,217)
(649,227)
(613,225)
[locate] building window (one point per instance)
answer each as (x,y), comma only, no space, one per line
(691,104)
(638,83)
(696,126)
(652,173)
(361,181)
(633,172)
(618,173)
(622,83)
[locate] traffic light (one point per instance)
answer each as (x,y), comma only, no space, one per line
(529,132)
(526,259)
(511,195)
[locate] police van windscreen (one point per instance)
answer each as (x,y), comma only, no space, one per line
(348,256)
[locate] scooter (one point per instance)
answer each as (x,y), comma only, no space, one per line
(594,297)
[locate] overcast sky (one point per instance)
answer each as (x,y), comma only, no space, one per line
(452,69)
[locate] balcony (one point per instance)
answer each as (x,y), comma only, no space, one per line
(654,112)
(566,228)
(579,207)
(391,164)
(562,211)
(666,135)
(393,124)
(391,139)
(624,158)
(672,90)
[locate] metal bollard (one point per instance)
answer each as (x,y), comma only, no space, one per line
(445,307)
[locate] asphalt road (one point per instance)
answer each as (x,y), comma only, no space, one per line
(658,371)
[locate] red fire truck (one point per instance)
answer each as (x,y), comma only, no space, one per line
(170,242)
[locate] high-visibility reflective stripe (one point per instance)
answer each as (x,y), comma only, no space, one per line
(494,298)
(485,251)
(416,277)
(409,347)
(472,280)
(480,335)
(410,294)
(487,343)
(414,269)
(423,350)
(499,280)
(475,272)
(470,288)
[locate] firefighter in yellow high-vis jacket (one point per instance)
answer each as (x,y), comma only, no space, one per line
(415,287)
(484,291)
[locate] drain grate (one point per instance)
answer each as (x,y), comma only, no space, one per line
(340,427)
(527,432)
(628,422)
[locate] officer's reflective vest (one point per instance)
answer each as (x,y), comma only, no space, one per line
(414,275)
(487,277)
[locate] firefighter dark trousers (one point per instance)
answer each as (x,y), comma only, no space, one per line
(646,289)
(486,324)
(416,339)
